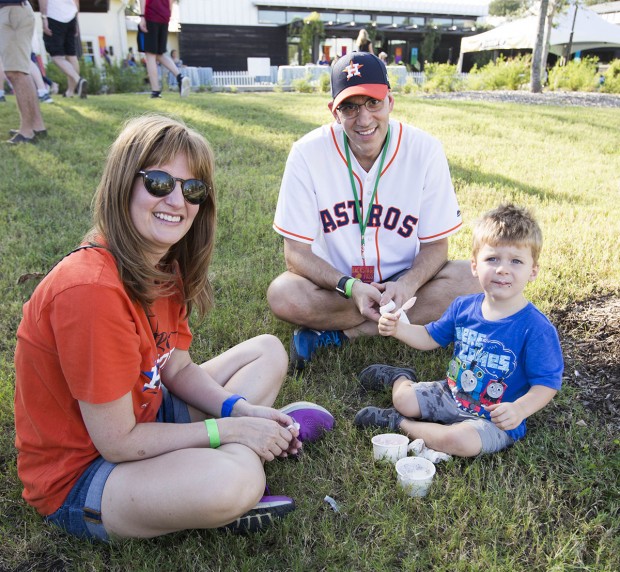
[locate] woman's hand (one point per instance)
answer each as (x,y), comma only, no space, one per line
(246,409)
(266,437)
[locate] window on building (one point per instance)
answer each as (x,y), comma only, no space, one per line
(362,18)
(419,22)
(344,18)
(271,17)
(293,15)
(88,51)
(441,22)
(383,20)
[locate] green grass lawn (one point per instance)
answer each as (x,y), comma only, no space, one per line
(549,503)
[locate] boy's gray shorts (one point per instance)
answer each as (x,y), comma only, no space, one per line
(438,404)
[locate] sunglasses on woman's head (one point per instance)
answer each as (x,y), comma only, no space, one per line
(161,184)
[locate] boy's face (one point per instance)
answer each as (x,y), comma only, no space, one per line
(504,270)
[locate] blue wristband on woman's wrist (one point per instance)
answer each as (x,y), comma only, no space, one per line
(228,405)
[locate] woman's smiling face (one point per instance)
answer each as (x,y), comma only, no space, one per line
(163,221)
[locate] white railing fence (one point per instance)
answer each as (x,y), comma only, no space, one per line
(285,75)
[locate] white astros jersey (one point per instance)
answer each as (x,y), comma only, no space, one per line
(415,200)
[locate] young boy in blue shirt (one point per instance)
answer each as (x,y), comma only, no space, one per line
(507,361)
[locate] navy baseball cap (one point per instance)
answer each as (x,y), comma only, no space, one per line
(359,73)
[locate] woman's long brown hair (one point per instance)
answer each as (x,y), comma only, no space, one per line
(144,142)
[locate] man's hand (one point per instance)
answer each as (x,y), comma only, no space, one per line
(367,298)
(396,291)
(142,25)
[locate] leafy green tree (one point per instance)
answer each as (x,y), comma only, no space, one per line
(506,7)
(310,38)
(430,42)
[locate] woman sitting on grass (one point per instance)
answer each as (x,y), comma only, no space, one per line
(118,431)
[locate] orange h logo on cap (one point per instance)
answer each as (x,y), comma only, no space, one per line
(353,69)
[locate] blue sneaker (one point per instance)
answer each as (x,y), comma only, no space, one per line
(268,509)
(305,342)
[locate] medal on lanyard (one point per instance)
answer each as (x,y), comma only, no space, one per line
(364,272)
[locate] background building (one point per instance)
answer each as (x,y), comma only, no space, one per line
(222,34)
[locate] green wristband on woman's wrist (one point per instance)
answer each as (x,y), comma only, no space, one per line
(348,287)
(213,432)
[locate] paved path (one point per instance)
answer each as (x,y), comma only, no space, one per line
(546,98)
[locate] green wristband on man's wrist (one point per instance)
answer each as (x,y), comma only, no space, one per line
(348,287)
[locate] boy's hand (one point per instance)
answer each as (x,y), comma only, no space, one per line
(388,324)
(506,415)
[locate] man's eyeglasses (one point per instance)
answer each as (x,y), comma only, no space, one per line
(351,110)
(161,184)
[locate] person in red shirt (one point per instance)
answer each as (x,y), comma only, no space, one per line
(153,39)
(118,431)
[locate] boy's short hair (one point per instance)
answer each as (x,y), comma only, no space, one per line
(508,224)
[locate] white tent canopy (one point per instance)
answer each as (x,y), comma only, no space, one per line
(590,31)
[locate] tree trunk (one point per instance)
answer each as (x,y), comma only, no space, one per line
(554,7)
(535,72)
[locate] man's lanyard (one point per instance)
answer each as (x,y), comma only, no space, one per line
(364,224)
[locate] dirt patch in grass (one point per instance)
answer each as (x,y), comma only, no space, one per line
(590,335)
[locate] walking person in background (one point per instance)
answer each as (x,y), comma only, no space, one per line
(119,432)
(363,43)
(152,40)
(16,28)
(60,32)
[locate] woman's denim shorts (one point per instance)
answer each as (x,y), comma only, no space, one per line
(80,514)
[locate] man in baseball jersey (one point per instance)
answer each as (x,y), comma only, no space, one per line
(366,207)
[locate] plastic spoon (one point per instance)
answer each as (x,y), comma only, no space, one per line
(408,304)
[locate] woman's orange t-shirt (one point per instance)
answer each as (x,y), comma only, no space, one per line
(82,338)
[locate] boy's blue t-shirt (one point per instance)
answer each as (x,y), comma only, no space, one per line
(497,361)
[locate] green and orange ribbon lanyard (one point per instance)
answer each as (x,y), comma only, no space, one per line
(364,224)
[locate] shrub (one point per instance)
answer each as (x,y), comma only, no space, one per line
(124,79)
(411,86)
(576,75)
(512,74)
(302,85)
(394,80)
(92,74)
(441,77)
(612,78)
(325,83)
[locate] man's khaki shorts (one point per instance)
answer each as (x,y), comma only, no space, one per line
(16,29)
